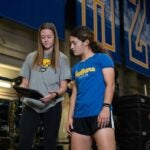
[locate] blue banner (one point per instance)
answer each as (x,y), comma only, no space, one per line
(33,13)
(137,35)
(103,18)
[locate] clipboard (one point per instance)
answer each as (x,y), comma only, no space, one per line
(29,93)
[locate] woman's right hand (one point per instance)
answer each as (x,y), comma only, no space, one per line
(69,126)
(48,98)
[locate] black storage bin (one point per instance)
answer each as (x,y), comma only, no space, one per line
(133,122)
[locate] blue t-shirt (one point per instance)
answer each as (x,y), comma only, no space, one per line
(90,84)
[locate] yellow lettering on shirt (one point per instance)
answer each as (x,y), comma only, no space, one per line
(84,71)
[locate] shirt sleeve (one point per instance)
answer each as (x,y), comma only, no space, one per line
(106,61)
(65,73)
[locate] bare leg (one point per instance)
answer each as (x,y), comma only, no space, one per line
(105,139)
(80,142)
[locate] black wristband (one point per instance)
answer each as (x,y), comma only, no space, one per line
(106,105)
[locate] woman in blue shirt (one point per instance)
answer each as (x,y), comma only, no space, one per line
(90,112)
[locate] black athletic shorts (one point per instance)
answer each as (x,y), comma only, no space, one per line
(89,125)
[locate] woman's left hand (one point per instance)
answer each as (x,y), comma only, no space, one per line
(104,117)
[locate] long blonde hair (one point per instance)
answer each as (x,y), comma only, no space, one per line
(55,53)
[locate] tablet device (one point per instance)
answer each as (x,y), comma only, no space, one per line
(26,92)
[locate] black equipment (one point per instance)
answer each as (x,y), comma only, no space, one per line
(4,110)
(133,122)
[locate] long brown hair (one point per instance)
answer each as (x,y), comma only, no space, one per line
(55,53)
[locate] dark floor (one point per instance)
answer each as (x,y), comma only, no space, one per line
(11,143)
(9,138)
(7,143)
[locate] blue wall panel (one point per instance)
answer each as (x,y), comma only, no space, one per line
(33,13)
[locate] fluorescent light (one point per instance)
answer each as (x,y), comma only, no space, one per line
(5,84)
(9,67)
